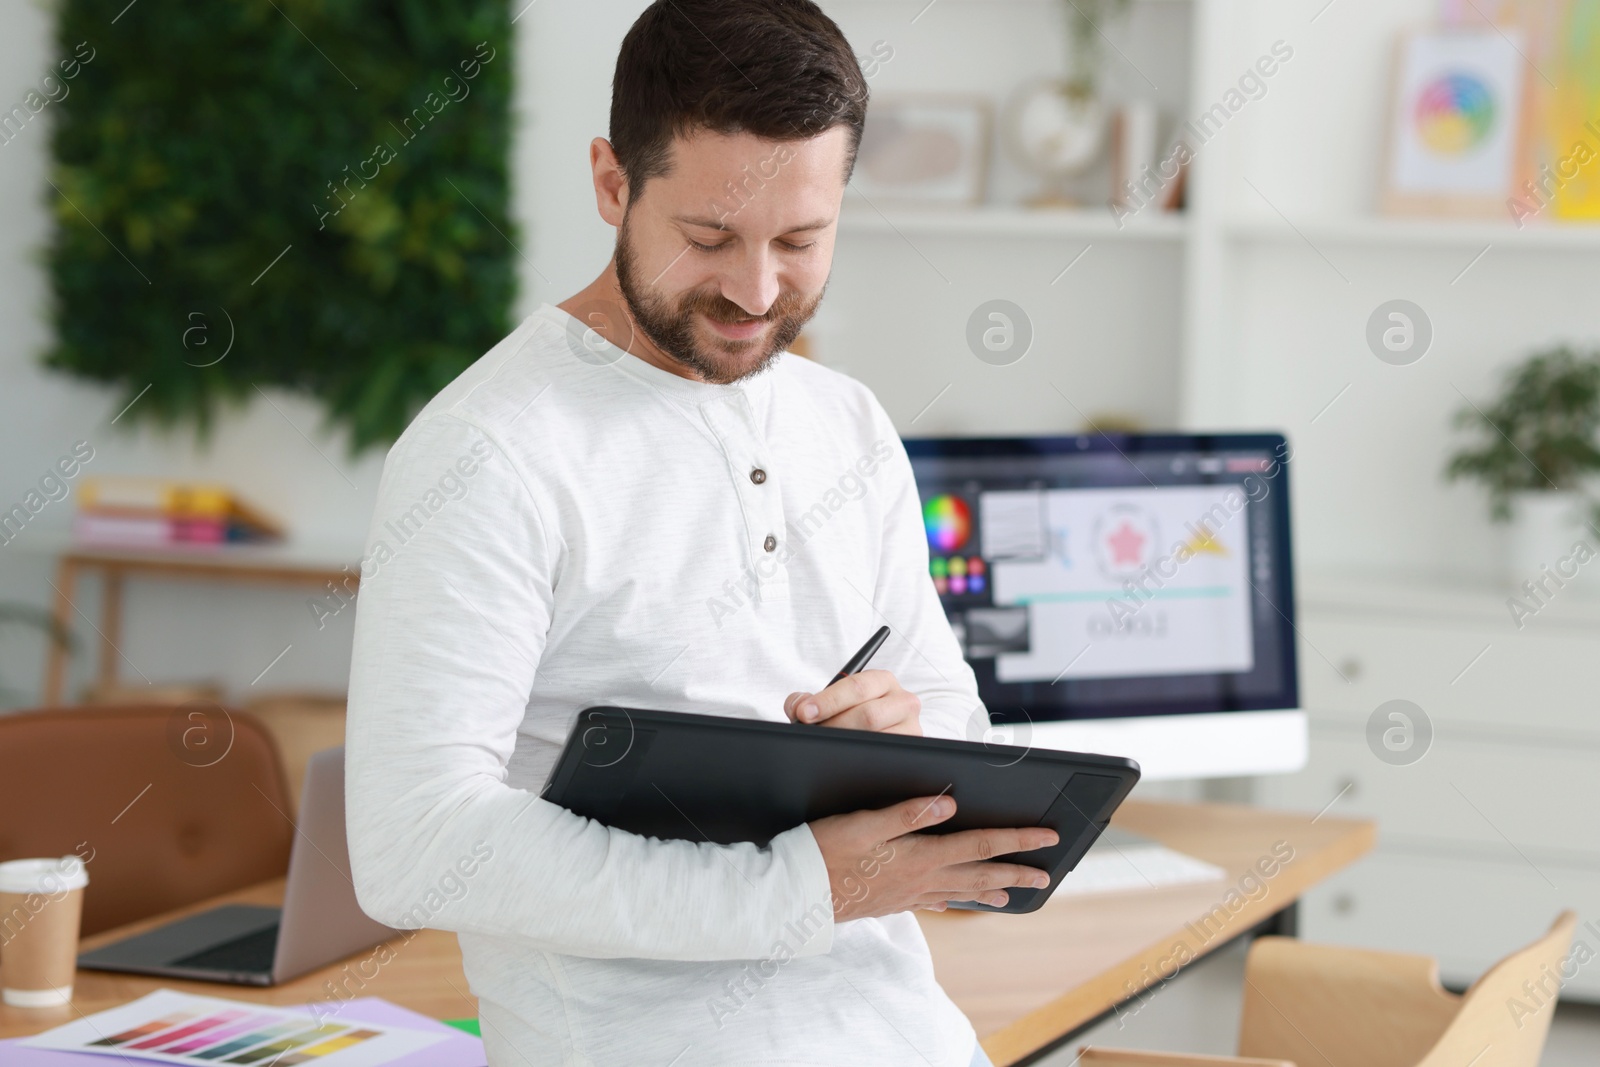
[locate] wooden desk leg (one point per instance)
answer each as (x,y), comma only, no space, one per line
(53,690)
(110,627)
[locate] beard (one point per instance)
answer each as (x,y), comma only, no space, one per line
(670,326)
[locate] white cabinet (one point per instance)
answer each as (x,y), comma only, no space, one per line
(1496,827)
(1465,911)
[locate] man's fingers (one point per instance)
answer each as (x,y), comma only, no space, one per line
(842,695)
(936,901)
(864,830)
(868,830)
(987,877)
(969,845)
(802,707)
(910,816)
(884,715)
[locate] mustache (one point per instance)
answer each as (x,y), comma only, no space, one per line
(718,308)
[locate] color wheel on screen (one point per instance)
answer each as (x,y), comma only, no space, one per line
(1455,113)
(948,521)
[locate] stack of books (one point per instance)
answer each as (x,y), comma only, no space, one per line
(130,512)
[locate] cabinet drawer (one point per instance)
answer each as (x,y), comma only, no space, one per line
(1498,799)
(1466,914)
(1470,674)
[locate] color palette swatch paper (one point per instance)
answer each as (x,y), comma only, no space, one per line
(171,1027)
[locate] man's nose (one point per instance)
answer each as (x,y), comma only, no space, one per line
(753,282)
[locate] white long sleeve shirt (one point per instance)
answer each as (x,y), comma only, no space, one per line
(564,526)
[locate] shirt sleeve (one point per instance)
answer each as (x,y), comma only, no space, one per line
(453,608)
(927,659)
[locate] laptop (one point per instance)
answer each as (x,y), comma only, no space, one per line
(245,944)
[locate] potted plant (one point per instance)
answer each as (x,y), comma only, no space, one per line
(1086,21)
(29,615)
(1534,448)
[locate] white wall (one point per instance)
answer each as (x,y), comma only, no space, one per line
(1285,338)
(568,52)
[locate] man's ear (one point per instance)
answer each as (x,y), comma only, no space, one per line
(610,185)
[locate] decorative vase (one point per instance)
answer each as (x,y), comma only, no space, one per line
(1056,131)
(1545,528)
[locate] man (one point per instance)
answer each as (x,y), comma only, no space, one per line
(639,499)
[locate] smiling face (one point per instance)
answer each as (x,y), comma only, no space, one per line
(724,257)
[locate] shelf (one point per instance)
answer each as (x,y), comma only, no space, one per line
(57,540)
(1479,600)
(885,3)
(1012,222)
(1417,233)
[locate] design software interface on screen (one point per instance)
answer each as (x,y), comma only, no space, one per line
(1094,577)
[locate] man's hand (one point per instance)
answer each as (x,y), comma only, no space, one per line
(867,700)
(878,863)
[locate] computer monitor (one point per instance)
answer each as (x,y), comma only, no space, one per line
(1129,594)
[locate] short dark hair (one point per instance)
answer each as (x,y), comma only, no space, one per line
(778,69)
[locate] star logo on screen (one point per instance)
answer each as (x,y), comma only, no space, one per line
(1125,536)
(1127,545)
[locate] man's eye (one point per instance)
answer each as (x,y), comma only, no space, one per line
(791,246)
(708,248)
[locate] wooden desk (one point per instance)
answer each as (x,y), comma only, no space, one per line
(273,564)
(1024,980)
(424,975)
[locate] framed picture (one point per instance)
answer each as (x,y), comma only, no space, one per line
(1457,123)
(925,150)
(1559,180)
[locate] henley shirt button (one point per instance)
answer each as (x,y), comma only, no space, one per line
(770,544)
(758,476)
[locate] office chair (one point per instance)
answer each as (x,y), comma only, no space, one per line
(162,814)
(1326,1006)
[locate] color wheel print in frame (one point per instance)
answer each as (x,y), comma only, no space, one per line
(1457,125)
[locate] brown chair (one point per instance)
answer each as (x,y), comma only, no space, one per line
(167,805)
(1325,1006)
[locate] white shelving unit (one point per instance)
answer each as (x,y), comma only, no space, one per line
(1489,834)
(1250,310)
(1403,234)
(1008,222)
(1486,838)
(1104,301)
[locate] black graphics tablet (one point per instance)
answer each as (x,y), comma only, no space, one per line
(675,775)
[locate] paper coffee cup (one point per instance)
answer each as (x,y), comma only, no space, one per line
(41,903)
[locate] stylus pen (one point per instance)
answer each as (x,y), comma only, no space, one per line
(859,660)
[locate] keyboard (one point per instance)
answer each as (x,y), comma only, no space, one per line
(252,952)
(1119,862)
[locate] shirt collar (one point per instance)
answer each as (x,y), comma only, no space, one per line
(755,388)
